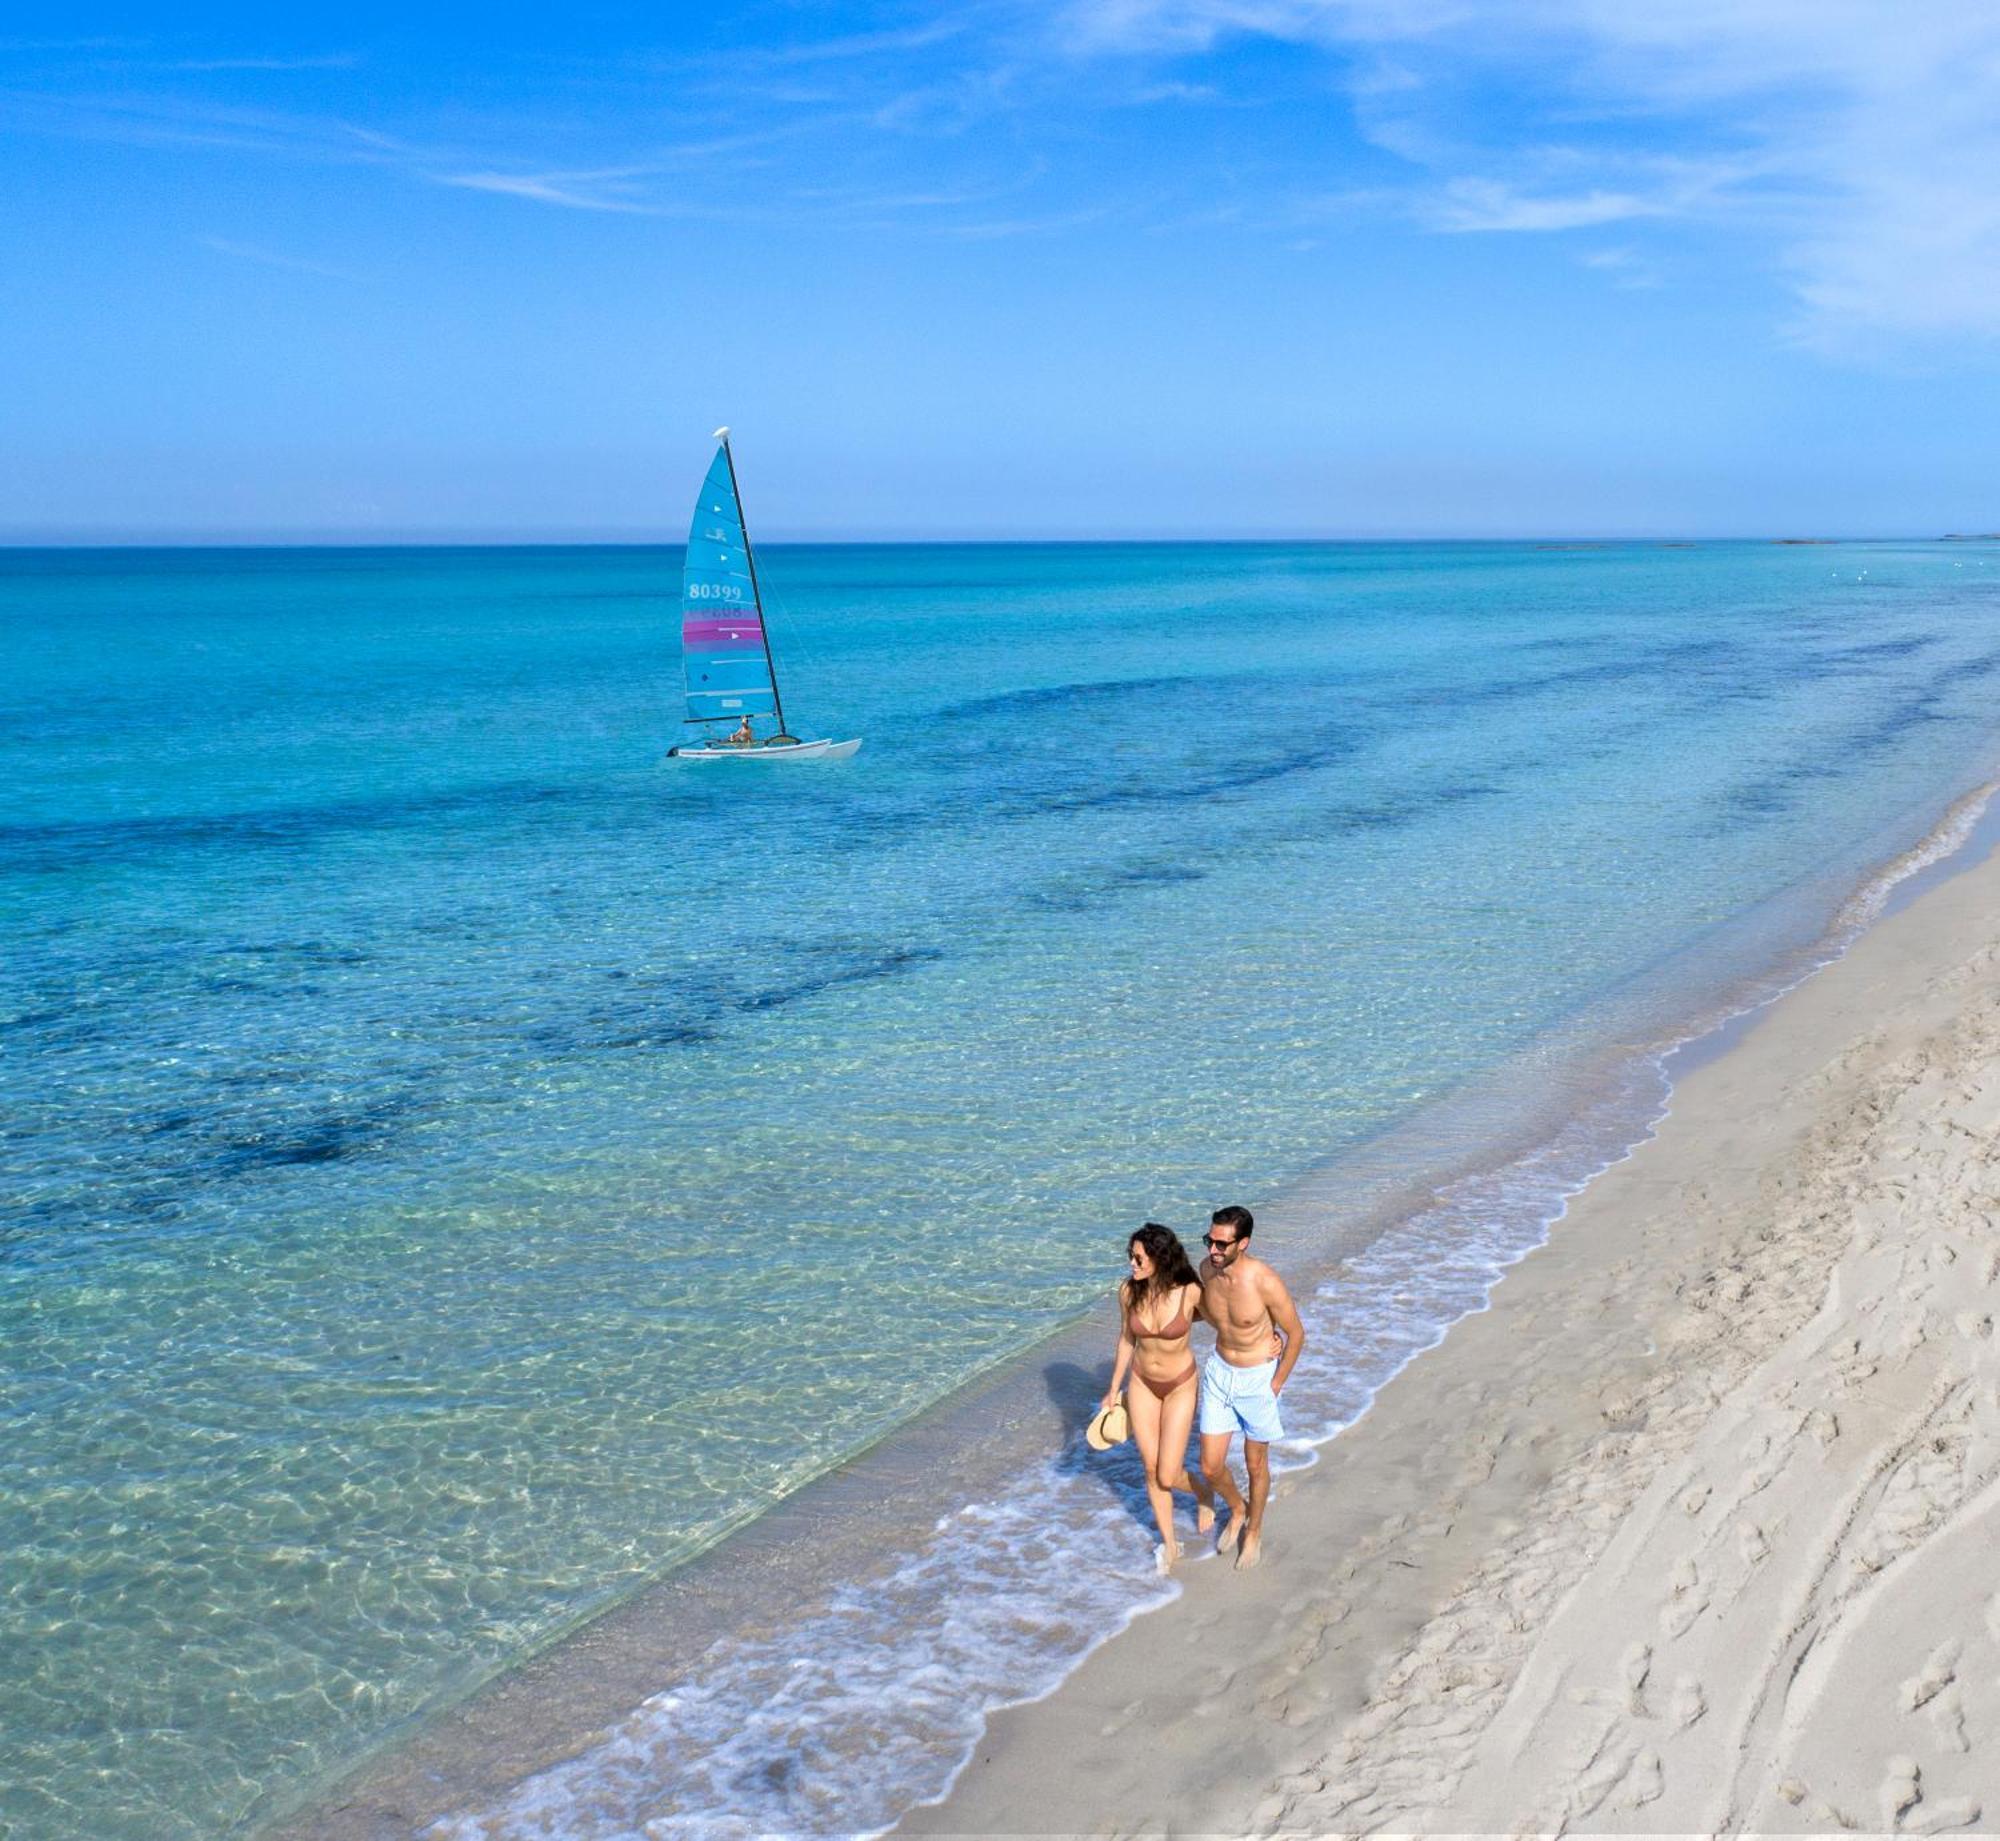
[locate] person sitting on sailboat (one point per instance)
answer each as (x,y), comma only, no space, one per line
(745,736)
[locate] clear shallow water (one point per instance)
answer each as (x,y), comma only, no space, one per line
(456,1168)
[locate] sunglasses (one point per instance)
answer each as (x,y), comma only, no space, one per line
(1214,1245)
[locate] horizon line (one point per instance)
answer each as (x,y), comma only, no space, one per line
(309,538)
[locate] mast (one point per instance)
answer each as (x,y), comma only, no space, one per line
(756,593)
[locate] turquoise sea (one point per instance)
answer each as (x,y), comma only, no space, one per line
(458,1166)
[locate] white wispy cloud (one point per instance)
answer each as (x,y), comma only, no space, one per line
(333,60)
(271,258)
(35,46)
(142,118)
(969,94)
(501,161)
(1623,267)
(997,228)
(1857,147)
(1149,93)
(589,149)
(1547,198)
(851,203)
(1860,139)
(871,44)
(1486,204)
(1196,25)
(608,190)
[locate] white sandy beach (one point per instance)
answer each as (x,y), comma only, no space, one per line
(1695,1530)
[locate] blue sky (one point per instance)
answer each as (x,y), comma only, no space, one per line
(1103,268)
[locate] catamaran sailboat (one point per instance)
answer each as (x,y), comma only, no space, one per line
(725,650)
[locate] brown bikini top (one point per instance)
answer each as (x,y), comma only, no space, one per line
(1170,1332)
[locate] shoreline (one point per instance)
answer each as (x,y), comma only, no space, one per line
(540,1712)
(1566,1570)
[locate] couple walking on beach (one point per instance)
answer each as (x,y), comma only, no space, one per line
(1258,1337)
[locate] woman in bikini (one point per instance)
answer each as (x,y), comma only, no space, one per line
(1156,1310)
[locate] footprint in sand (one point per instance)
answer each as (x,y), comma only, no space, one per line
(1905,1805)
(1633,1667)
(1899,1790)
(1764,1475)
(1948,1812)
(1852,1365)
(1596,1783)
(1121,1719)
(1688,1602)
(1934,1688)
(1939,1671)
(1947,1713)
(1799,1794)
(1644,1783)
(1688,1704)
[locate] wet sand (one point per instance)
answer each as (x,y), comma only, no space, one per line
(1691,1531)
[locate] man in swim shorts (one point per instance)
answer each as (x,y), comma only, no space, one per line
(1258,1337)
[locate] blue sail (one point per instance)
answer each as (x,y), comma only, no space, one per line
(723,652)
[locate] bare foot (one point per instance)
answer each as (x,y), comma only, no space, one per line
(1247,1553)
(1229,1533)
(1165,1555)
(1204,1517)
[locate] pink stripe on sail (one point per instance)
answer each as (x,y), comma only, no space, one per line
(695,631)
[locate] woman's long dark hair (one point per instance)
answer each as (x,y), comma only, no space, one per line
(1171,1267)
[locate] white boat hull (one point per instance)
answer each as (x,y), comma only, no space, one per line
(781,751)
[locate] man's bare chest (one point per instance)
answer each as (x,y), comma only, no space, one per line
(1234,1307)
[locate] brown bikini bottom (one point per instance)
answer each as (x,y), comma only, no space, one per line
(1166,1389)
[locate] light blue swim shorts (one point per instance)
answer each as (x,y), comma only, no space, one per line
(1239,1400)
